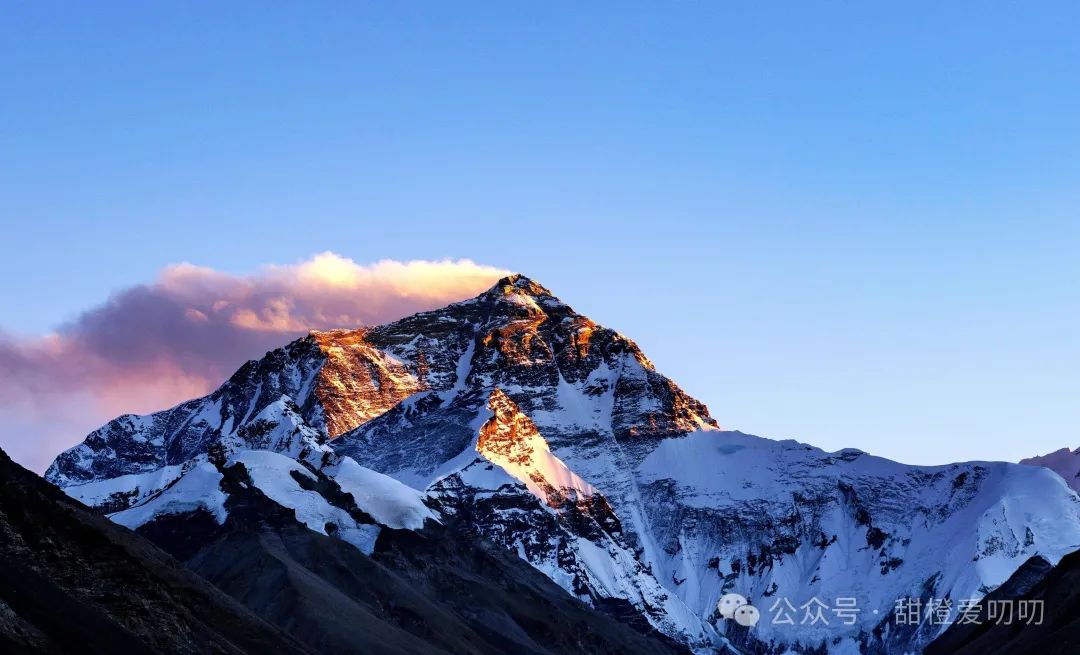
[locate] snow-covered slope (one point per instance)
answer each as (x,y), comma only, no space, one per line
(197,489)
(312,494)
(781,521)
(513,491)
(285,459)
(388,501)
(1064,462)
(516,418)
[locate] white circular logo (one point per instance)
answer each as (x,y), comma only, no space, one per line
(729,603)
(747,615)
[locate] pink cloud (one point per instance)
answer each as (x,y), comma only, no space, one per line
(151,346)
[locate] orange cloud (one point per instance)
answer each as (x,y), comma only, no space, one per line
(152,346)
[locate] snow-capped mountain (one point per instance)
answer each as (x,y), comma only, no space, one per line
(1064,462)
(514,418)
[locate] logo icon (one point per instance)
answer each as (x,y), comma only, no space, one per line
(735,606)
(729,603)
(747,616)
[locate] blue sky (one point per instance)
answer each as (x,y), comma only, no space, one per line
(850,225)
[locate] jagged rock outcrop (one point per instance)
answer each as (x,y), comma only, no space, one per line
(519,495)
(323,384)
(510,440)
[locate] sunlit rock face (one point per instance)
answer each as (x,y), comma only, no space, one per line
(510,440)
(357,381)
(332,381)
(523,422)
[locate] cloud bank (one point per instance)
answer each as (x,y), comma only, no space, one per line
(151,346)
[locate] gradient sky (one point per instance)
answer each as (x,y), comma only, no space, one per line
(850,225)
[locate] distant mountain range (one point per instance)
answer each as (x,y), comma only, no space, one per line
(392,485)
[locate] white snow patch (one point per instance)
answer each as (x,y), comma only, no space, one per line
(272,474)
(388,501)
(198,488)
(139,486)
(464,365)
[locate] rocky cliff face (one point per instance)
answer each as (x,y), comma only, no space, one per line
(523,422)
(510,440)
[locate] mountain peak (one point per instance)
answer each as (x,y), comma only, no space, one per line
(519,285)
(518,280)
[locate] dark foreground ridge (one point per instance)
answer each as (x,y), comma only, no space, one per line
(433,590)
(1058,633)
(73,582)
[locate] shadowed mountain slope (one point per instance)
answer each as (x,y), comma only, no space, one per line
(432,590)
(1058,631)
(72,581)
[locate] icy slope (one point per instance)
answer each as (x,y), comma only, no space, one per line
(198,489)
(388,501)
(337,497)
(780,521)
